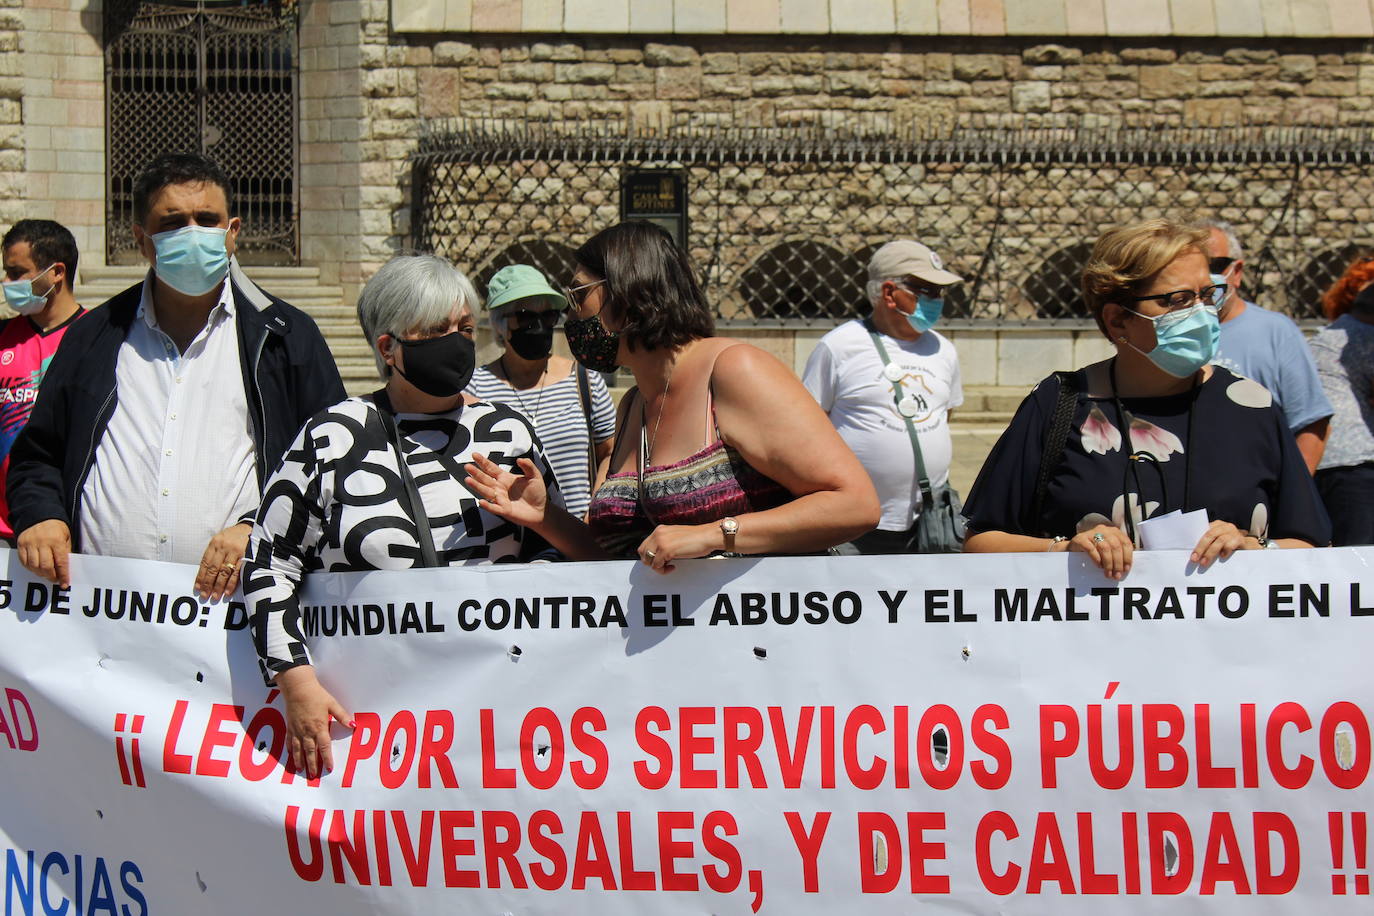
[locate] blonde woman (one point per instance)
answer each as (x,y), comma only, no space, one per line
(1151,430)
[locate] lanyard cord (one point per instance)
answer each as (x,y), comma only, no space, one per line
(424,537)
(1132,458)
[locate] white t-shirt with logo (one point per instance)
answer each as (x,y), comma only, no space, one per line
(849,379)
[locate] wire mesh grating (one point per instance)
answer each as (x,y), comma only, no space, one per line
(783,220)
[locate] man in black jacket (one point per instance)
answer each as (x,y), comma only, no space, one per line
(167,408)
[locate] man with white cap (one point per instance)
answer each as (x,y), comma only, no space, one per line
(889,382)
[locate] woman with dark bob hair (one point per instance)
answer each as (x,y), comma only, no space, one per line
(1093,456)
(719,448)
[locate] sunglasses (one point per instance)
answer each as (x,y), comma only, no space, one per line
(524,318)
(919,287)
(1219,265)
(576,295)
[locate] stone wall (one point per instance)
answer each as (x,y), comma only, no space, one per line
(62,142)
(1115,18)
(359,120)
(728,81)
(11,114)
(333,123)
(883,83)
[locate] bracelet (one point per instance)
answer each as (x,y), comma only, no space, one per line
(1058,538)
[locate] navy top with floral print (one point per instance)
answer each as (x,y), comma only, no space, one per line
(1245,465)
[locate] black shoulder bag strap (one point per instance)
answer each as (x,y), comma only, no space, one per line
(584,395)
(416,509)
(1055,439)
(921,478)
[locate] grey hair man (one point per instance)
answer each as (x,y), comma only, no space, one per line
(1267,347)
(879,376)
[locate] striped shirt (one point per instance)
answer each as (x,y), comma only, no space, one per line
(563,428)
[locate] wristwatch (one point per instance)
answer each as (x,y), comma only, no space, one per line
(1265,543)
(729,527)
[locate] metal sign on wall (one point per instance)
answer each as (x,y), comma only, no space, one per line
(658,196)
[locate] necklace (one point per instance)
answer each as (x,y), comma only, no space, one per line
(663,402)
(1133,458)
(533,415)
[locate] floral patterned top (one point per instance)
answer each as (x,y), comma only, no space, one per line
(1244,467)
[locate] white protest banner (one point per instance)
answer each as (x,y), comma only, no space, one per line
(975,734)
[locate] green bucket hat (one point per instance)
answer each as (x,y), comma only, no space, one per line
(520,281)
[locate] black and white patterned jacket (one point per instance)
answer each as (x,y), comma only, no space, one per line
(337,503)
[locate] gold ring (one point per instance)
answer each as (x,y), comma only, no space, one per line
(649,554)
(229,567)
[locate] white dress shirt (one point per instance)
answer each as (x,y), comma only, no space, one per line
(177,462)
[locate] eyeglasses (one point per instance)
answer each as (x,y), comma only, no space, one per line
(1211,296)
(524,318)
(576,295)
(920,287)
(1219,265)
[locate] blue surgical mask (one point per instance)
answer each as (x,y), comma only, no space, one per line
(1185,341)
(21,297)
(928,309)
(191,260)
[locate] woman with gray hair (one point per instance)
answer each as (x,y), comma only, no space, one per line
(570,407)
(344,500)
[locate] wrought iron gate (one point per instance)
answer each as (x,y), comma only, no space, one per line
(784,220)
(219,78)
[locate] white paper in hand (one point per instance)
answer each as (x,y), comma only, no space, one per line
(1177,530)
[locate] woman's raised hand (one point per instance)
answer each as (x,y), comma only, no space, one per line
(519,498)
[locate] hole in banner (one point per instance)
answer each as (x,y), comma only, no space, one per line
(1170,856)
(1344,741)
(939,746)
(879,854)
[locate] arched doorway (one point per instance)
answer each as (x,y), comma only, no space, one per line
(804,280)
(1054,288)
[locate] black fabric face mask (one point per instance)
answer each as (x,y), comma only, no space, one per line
(531,343)
(591,344)
(439,366)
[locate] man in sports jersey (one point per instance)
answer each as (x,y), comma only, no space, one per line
(40,266)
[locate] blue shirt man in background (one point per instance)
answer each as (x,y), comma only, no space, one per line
(1267,347)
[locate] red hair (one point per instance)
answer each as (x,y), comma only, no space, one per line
(1338,299)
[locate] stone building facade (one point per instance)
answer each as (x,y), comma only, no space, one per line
(372,72)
